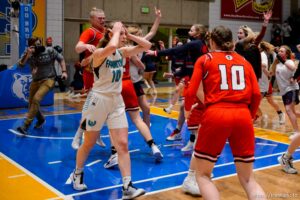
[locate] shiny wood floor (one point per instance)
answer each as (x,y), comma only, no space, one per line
(277,184)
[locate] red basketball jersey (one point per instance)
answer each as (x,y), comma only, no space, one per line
(227,77)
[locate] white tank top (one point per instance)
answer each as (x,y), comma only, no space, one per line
(264,80)
(108,77)
(283,75)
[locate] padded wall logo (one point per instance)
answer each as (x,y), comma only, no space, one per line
(258,6)
(239,4)
(21,85)
(261,6)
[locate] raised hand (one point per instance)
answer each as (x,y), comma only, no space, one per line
(157,12)
(267,15)
(117,27)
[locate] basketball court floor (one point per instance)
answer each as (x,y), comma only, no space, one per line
(38,165)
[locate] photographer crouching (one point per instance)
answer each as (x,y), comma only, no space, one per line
(41,60)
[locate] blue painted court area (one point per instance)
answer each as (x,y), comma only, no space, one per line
(44,109)
(47,153)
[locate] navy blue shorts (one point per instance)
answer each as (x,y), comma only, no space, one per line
(290,97)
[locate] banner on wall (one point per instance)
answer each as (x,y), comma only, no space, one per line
(38,23)
(250,9)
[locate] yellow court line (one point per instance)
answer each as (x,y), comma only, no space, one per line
(18,183)
(272,135)
(159,111)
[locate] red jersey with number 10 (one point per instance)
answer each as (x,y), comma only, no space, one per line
(227,78)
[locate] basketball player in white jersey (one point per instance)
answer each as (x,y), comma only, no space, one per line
(106,105)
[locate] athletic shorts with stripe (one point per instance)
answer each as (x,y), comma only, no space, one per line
(139,88)
(129,95)
(101,108)
(221,122)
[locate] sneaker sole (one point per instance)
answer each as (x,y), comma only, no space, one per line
(41,126)
(142,192)
(158,157)
(189,152)
(22,132)
(110,167)
(186,191)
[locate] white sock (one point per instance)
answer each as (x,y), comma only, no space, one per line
(170,107)
(126,181)
(78,170)
(79,132)
(287,155)
(179,128)
(191,173)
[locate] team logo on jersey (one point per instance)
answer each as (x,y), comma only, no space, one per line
(21,86)
(91,123)
(228,57)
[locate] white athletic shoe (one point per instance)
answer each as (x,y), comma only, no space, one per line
(76,142)
(76,95)
(156,153)
(112,161)
(189,147)
(287,164)
(168,110)
(175,135)
(281,118)
(71,94)
(190,186)
(77,180)
(132,192)
(100,142)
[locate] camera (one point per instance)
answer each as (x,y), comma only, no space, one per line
(58,48)
(38,49)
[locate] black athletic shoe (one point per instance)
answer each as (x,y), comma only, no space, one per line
(39,124)
(22,130)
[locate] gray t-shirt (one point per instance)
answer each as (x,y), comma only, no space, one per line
(42,65)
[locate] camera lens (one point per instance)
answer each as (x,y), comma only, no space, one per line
(39,49)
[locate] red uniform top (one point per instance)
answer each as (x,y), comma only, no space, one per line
(90,36)
(227,77)
(126,73)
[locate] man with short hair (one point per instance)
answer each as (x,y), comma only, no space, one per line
(88,41)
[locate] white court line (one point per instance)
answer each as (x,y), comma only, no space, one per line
(45,115)
(266,144)
(92,163)
(57,138)
(46,185)
(134,150)
(174,174)
(218,178)
(54,162)
(172,145)
(17,176)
